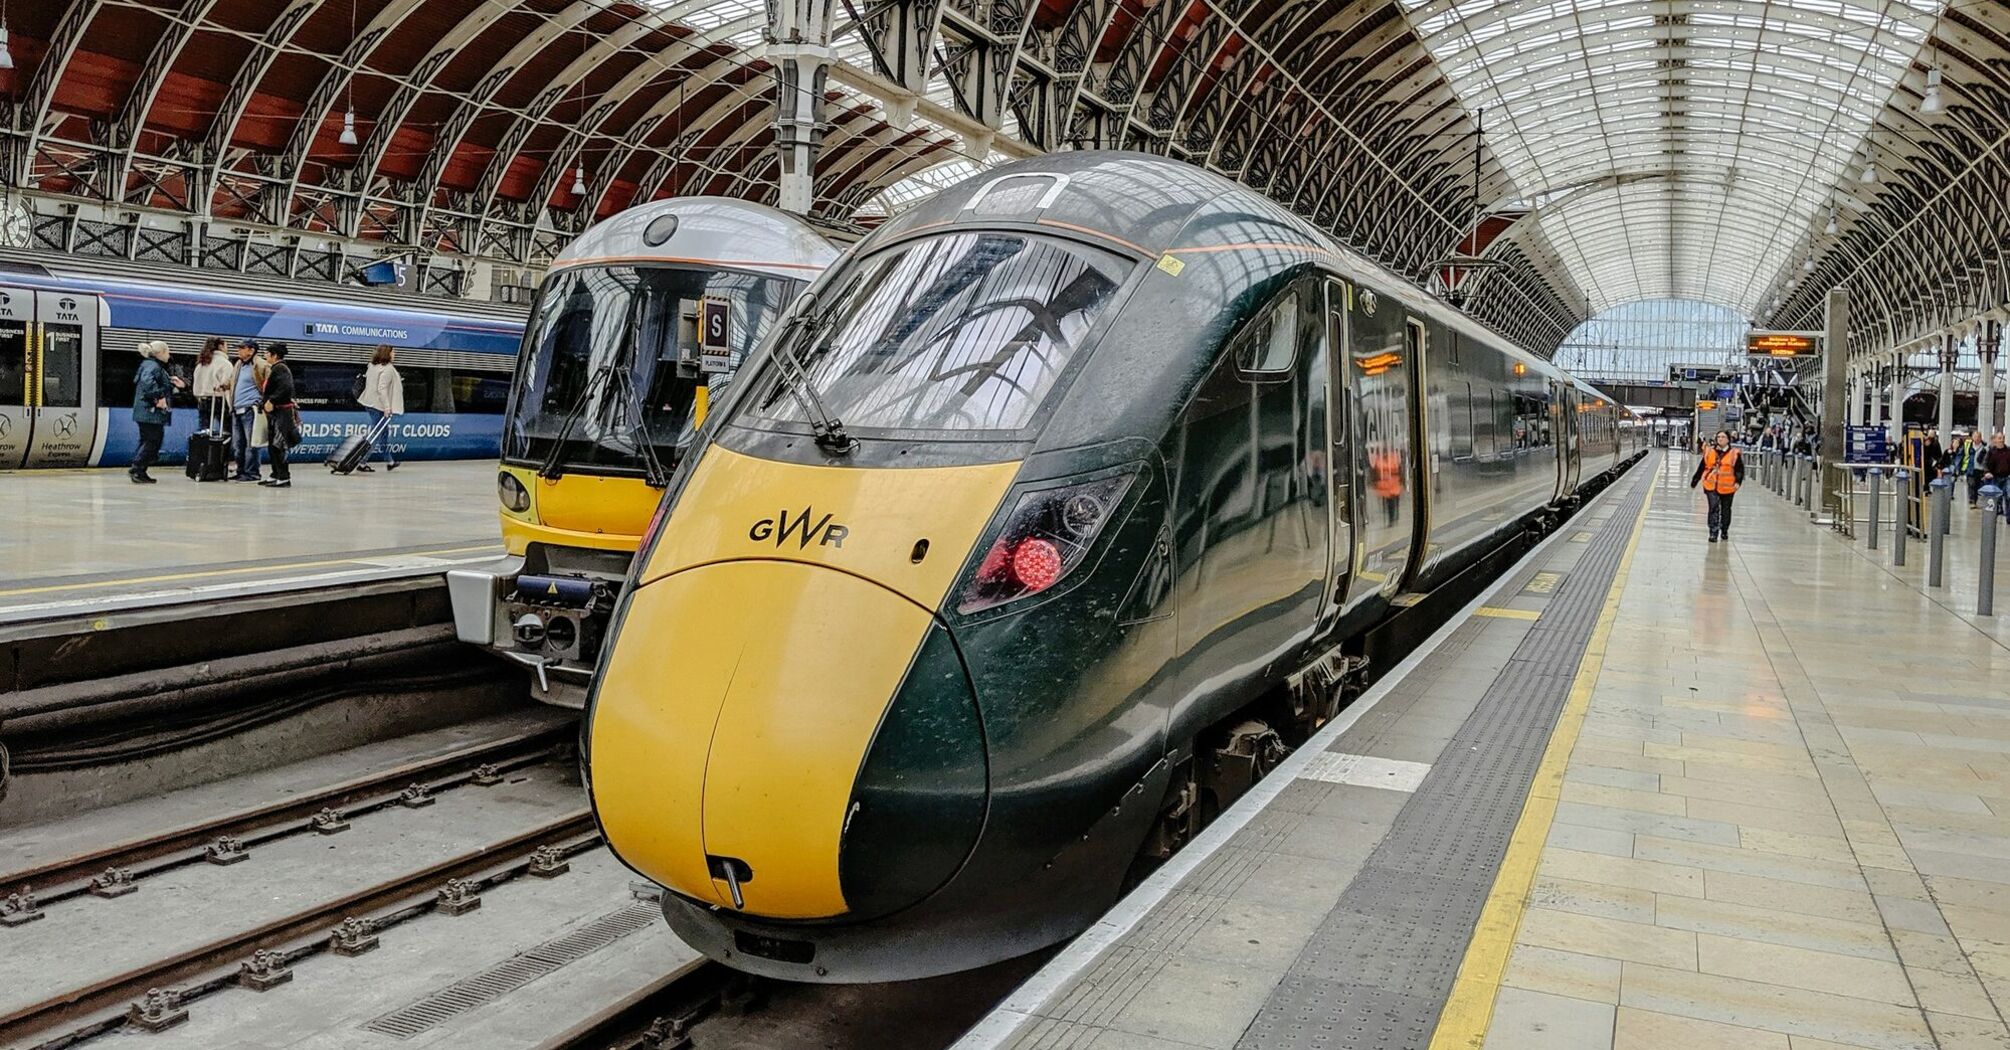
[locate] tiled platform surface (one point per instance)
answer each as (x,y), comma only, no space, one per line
(75,540)
(1786,823)
(1782,822)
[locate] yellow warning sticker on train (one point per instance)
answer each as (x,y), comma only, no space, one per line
(1171,265)
(1543,583)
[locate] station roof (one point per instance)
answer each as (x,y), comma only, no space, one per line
(1631,149)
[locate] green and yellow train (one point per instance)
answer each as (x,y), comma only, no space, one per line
(1043,523)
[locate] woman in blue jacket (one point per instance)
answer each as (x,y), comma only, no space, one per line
(151,389)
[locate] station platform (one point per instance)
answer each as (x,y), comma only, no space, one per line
(1646,792)
(84,541)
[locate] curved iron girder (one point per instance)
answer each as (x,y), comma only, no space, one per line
(426,190)
(124,133)
(237,99)
(40,97)
(572,75)
(279,207)
(370,155)
(617,95)
(635,140)
(759,179)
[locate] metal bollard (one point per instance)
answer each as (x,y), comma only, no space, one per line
(1805,497)
(1936,538)
(1898,480)
(1876,520)
(1985,575)
(1794,481)
(1943,518)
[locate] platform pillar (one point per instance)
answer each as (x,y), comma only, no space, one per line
(1896,427)
(1987,344)
(1835,385)
(801,35)
(1950,347)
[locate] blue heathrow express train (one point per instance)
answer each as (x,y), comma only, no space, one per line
(69,352)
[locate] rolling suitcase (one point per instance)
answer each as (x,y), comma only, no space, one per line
(355,448)
(209,452)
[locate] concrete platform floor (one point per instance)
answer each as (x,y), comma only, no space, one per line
(1773,813)
(77,540)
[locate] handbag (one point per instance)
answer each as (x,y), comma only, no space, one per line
(259,436)
(287,432)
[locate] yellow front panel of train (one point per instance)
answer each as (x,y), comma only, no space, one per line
(594,504)
(865,521)
(756,660)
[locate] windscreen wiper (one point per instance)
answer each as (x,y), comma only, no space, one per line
(553,466)
(828,429)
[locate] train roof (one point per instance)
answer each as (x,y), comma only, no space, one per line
(705,231)
(1148,203)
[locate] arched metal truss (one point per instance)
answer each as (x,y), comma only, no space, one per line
(475,115)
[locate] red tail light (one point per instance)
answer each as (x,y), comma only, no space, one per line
(1047,534)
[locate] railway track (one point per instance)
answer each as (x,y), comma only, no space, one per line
(155,995)
(117,869)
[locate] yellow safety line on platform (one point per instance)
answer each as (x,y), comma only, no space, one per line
(242,570)
(1507,614)
(1462,1025)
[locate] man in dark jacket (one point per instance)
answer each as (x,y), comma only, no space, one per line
(152,387)
(282,418)
(1996,466)
(1933,458)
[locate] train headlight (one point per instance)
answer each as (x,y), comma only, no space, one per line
(1048,533)
(512,493)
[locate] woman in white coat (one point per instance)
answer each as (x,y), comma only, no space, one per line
(383,397)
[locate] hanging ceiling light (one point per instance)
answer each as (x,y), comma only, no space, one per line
(1832,229)
(6,56)
(1808,265)
(348,136)
(579,181)
(1869,172)
(1931,102)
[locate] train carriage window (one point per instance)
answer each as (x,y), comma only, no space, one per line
(954,332)
(1270,346)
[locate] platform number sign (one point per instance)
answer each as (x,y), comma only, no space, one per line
(715,352)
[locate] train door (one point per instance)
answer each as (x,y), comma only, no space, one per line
(66,380)
(1567,447)
(17,351)
(1341,498)
(1384,461)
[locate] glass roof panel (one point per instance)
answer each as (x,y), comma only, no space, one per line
(1681,148)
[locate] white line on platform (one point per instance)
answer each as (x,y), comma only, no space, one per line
(1365,771)
(1017,1010)
(232,589)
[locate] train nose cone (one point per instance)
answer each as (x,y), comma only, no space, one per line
(731,735)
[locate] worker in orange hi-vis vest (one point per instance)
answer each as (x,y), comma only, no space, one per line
(1719,471)
(1385,469)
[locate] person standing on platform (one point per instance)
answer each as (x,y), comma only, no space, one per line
(152,386)
(1933,458)
(282,417)
(1996,468)
(383,397)
(212,384)
(1720,470)
(1964,463)
(247,396)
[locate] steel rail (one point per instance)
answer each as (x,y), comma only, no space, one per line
(105,1004)
(75,875)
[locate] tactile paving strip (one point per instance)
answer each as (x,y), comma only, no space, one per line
(1375,975)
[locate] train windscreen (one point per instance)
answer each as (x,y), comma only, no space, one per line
(614,359)
(958,332)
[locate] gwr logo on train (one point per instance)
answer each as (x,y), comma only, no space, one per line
(780,527)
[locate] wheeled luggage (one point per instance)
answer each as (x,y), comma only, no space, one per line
(355,448)
(209,451)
